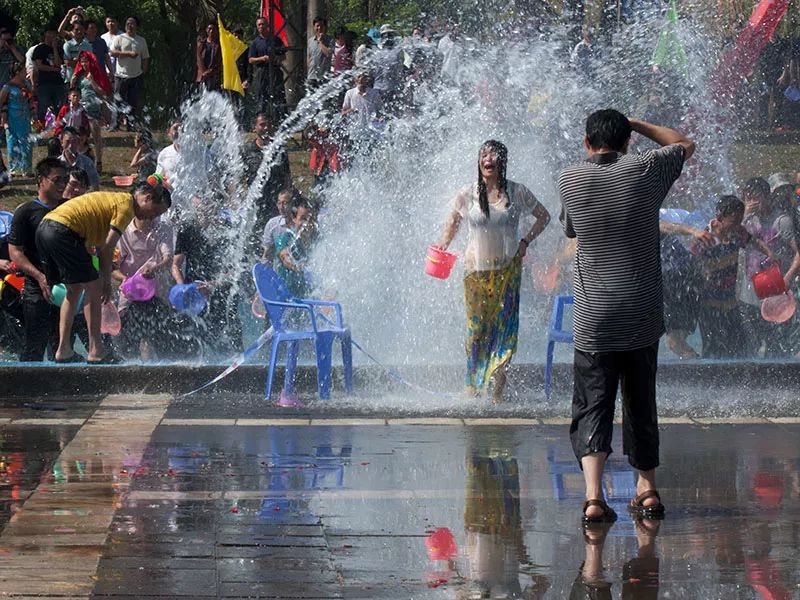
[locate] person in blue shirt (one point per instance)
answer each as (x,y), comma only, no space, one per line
(291,247)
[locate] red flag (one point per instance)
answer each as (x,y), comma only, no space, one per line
(277,18)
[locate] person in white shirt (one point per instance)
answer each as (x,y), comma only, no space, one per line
(133,61)
(167,163)
(362,102)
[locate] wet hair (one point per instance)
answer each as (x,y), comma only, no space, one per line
(755,186)
(781,199)
(80,174)
(608,128)
(47,165)
(729,206)
(295,204)
(157,191)
(502,161)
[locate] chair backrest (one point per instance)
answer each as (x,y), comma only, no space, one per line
(5,223)
(270,286)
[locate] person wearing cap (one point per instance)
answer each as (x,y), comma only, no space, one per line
(319,55)
(63,239)
(387,67)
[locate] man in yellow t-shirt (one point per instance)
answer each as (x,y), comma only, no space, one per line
(64,238)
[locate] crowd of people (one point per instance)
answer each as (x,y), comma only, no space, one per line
(78,83)
(75,84)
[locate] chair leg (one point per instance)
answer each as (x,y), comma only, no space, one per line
(548,368)
(324,348)
(273,358)
(291,367)
(347,360)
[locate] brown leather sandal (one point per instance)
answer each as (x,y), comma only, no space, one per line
(638,509)
(608,515)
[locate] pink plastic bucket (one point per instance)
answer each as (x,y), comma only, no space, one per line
(779,309)
(769,282)
(138,288)
(439,263)
(110,322)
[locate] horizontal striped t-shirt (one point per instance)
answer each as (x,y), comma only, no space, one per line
(610,203)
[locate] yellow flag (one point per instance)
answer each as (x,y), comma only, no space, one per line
(232,48)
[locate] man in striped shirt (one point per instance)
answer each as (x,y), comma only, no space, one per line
(610,203)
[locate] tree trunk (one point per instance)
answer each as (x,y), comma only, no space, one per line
(294,12)
(373,10)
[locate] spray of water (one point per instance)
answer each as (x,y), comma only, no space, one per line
(380,214)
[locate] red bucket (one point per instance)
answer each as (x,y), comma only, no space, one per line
(441,544)
(439,263)
(769,282)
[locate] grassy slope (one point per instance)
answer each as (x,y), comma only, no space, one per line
(750,160)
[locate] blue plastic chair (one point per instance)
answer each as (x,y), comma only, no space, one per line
(555,334)
(278,302)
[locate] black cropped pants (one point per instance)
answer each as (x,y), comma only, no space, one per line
(597,377)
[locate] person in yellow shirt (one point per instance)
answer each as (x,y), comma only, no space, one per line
(64,237)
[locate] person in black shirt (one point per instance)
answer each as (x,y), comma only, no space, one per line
(40,316)
(265,56)
(48,58)
(201,256)
(278,178)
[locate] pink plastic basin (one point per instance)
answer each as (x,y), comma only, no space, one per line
(439,263)
(138,288)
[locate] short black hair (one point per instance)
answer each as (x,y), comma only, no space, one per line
(91,22)
(80,174)
(159,193)
(54,148)
(322,20)
(729,205)
(608,128)
(238,31)
(755,186)
(296,203)
(135,19)
(70,130)
(80,22)
(47,165)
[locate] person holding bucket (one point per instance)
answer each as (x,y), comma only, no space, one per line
(63,239)
(492,208)
(143,268)
(719,317)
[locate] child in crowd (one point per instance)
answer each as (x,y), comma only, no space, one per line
(276,226)
(291,247)
(719,317)
(73,114)
(145,158)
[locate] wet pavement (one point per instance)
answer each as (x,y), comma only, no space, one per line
(121,497)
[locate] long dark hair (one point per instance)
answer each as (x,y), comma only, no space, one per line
(502,160)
